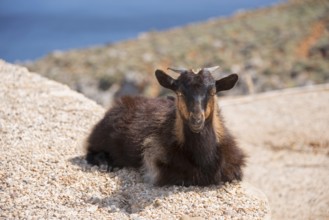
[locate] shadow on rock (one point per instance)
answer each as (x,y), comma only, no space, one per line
(131,196)
(81,162)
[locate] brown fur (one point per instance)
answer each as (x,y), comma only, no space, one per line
(181,105)
(217,122)
(179,129)
(156,135)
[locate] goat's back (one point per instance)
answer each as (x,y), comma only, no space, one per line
(125,126)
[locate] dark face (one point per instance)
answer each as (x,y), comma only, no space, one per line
(196,94)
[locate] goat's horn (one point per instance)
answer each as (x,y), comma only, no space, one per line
(212,69)
(177,70)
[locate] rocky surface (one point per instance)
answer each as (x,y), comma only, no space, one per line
(43,174)
(285,135)
(43,123)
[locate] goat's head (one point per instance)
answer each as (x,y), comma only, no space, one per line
(195,93)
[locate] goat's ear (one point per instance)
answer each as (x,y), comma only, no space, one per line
(165,80)
(226,83)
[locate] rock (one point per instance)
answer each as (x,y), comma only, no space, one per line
(186,217)
(43,174)
(283,134)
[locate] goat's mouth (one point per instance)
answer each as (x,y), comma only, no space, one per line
(196,122)
(196,128)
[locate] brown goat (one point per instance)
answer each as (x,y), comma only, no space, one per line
(180,141)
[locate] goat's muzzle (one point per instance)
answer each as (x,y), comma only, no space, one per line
(196,122)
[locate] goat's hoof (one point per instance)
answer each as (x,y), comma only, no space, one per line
(100,159)
(234,173)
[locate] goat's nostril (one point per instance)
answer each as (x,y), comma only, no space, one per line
(197,118)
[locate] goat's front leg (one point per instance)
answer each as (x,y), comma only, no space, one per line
(233,159)
(169,174)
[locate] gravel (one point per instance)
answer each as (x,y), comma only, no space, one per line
(43,173)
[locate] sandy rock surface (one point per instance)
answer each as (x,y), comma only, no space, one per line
(286,135)
(43,174)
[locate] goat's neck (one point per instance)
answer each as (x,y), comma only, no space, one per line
(201,146)
(205,135)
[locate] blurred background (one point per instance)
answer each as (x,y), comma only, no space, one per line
(107,49)
(31,29)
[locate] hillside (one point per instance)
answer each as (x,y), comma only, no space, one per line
(272,48)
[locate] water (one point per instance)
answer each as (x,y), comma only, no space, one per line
(31,29)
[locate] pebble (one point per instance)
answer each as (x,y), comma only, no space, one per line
(92,208)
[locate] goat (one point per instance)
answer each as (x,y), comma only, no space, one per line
(175,141)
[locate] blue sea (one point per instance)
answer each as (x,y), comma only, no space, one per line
(29,29)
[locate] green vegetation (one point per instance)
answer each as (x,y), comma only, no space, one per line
(272,48)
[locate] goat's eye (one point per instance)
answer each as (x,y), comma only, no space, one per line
(212,92)
(179,94)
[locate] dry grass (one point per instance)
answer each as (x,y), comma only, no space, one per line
(282,46)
